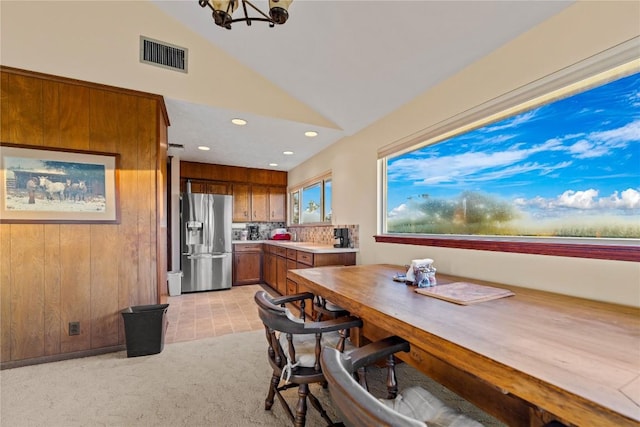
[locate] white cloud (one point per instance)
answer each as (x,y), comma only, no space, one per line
(514,122)
(584,200)
(630,199)
(599,144)
(578,199)
(404,211)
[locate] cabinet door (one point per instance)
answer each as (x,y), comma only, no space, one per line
(241,203)
(291,265)
(277,204)
(198,187)
(259,203)
(247,268)
(218,188)
(281,275)
(269,269)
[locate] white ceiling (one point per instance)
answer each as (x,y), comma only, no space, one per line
(352,62)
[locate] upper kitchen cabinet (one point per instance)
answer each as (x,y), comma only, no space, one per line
(260,203)
(259,195)
(277,204)
(241,203)
(207,187)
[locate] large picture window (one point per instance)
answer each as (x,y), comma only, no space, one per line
(567,169)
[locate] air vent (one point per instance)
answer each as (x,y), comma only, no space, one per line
(176,146)
(163,54)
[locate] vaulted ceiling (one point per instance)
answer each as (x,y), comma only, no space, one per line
(335,67)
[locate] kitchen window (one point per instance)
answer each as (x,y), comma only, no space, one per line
(311,201)
(557,174)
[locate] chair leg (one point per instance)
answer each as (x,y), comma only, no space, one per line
(301,407)
(361,377)
(392,382)
(275,380)
(316,404)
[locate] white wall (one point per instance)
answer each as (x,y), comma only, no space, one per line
(582,30)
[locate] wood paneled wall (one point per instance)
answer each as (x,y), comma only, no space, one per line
(53,274)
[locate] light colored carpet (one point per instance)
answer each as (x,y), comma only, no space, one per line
(218,381)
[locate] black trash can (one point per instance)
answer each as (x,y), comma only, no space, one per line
(144,329)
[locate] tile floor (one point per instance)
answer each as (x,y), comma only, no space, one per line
(199,315)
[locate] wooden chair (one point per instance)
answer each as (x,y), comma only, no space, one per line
(327,310)
(412,408)
(294,348)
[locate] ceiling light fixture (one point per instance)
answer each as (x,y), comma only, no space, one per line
(287,153)
(273,164)
(239,122)
(204,148)
(223,9)
(311,133)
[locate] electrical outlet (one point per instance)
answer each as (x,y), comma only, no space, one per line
(74,328)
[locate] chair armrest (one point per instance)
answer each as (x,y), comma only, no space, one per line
(332,325)
(292,298)
(370,353)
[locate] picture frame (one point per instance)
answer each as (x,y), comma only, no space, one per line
(54,185)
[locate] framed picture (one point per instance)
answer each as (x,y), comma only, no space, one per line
(49,185)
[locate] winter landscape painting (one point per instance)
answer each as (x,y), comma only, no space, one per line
(569,168)
(57,186)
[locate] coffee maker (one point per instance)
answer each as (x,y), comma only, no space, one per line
(254,232)
(341,237)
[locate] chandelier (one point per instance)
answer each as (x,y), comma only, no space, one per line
(223,9)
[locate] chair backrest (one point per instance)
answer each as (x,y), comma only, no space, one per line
(278,317)
(357,407)
(283,330)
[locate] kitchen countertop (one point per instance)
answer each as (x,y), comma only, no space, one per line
(317,248)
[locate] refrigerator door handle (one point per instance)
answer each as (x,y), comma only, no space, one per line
(197,256)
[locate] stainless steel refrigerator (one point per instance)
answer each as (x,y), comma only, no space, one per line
(206,241)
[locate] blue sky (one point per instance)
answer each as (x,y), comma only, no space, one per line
(578,154)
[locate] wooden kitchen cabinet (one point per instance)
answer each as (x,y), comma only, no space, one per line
(282,259)
(277,204)
(206,187)
(281,275)
(269,264)
(260,203)
(247,263)
(259,194)
(241,202)
(257,203)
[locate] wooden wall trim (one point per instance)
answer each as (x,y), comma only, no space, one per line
(594,251)
(59,357)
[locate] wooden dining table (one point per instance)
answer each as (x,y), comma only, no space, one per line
(527,359)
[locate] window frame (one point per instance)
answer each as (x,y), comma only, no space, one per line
(298,189)
(609,65)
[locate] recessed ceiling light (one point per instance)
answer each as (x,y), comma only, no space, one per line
(311,133)
(273,164)
(204,148)
(239,122)
(287,153)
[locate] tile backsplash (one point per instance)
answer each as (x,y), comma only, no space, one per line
(322,234)
(264,228)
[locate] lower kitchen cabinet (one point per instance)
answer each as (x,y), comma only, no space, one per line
(269,267)
(247,263)
(279,259)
